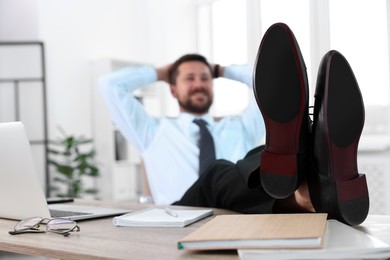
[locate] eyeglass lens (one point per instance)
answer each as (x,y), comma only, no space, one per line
(29,223)
(60,225)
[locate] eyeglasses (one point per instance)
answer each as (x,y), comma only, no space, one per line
(61,226)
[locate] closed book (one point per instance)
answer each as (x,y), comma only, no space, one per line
(258,231)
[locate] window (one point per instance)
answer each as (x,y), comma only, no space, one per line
(356,28)
(222,31)
(222,38)
(223,35)
(362,39)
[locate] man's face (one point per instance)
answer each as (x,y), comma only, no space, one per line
(193,89)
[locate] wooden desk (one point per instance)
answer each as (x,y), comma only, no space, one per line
(99,239)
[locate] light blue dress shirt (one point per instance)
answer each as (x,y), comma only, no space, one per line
(168,146)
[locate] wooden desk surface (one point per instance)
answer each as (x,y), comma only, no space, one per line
(100,239)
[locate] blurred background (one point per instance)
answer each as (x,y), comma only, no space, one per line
(53,51)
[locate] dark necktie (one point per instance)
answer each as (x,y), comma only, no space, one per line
(206,146)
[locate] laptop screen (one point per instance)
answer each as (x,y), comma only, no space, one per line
(21,194)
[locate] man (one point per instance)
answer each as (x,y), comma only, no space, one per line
(170,147)
(303,166)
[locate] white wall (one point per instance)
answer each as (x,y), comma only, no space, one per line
(171,29)
(78,32)
(18,20)
(75,32)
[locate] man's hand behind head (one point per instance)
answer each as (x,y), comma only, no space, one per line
(162,73)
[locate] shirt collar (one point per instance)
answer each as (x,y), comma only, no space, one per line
(185,119)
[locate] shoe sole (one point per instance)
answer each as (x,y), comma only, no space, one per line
(281,91)
(344,193)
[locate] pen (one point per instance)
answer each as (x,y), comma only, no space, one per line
(171,212)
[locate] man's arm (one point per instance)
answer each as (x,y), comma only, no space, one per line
(126,111)
(251,116)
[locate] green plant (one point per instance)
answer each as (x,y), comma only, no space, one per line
(73,159)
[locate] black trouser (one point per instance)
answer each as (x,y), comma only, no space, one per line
(231,186)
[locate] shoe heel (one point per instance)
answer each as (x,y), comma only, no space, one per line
(278,174)
(353,200)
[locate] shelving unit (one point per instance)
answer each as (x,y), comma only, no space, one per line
(23,96)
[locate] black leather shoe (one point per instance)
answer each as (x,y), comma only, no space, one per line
(281,90)
(335,185)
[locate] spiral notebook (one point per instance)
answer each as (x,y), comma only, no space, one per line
(157,217)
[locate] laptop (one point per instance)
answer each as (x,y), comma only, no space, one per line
(21,194)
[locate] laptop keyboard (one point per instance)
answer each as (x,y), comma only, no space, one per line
(62,213)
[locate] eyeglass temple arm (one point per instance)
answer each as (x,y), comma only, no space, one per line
(17,232)
(67,231)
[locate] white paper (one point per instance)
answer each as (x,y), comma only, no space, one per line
(341,242)
(156,217)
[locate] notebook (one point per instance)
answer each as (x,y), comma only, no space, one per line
(167,217)
(258,231)
(21,194)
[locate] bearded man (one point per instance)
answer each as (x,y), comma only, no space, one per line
(170,147)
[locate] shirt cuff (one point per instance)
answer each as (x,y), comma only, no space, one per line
(149,73)
(242,73)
